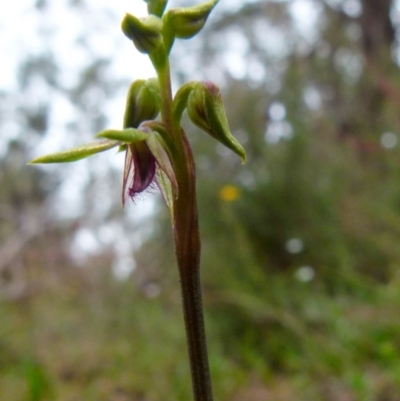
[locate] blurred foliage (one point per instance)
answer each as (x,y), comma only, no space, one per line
(98,339)
(301,246)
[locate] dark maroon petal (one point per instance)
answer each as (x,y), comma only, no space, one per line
(144,168)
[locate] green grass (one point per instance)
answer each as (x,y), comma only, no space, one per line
(109,341)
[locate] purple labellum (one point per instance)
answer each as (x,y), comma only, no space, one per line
(140,169)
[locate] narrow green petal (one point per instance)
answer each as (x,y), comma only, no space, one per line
(160,151)
(161,129)
(128,135)
(74,154)
(166,189)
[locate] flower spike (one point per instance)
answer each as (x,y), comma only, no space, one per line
(158,152)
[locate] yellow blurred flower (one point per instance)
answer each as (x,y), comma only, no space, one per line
(229,193)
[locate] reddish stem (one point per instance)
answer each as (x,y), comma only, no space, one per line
(187,243)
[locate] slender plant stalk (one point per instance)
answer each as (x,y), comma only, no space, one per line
(152,146)
(195,332)
(187,242)
(188,248)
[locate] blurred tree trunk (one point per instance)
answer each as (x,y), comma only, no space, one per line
(378,34)
(378,39)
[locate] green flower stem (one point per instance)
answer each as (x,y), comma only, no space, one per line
(160,62)
(187,241)
(166,96)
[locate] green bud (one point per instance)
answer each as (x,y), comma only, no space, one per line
(74,154)
(206,110)
(156,7)
(142,102)
(153,86)
(184,23)
(144,32)
(181,99)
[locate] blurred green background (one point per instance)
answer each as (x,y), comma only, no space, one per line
(301,245)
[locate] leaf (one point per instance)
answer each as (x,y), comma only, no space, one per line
(74,154)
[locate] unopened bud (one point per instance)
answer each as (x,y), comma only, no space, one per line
(142,102)
(187,22)
(156,7)
(206,110)
(144,32)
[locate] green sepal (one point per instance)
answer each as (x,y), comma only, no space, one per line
(128,135)
(156,7)
(122,148)
(206,110)
(144,32)
(142,102)
(184,23)
(167,192)
(163,149)
(77,153)
(179,103)
(160,151)
(160,128)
